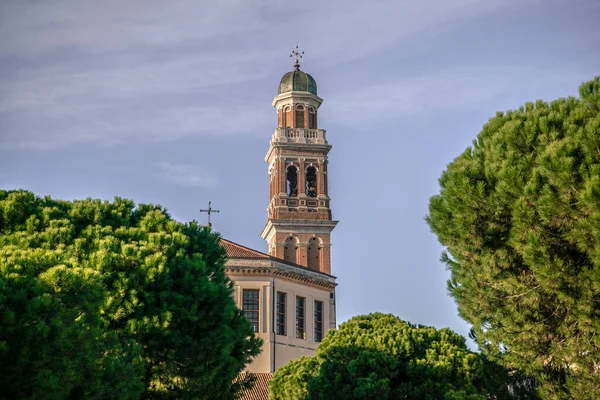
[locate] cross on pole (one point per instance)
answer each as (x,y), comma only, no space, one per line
(298,54)
(209,211)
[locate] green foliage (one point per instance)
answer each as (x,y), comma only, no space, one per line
(379,356)
(104,300)
(291,381)
(519,213)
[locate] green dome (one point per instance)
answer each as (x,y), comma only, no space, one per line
(297,81)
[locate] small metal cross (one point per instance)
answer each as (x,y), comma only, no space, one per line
(298,54)
(209,211)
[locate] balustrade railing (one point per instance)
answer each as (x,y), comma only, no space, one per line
(300,135)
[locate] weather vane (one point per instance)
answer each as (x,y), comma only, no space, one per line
(298,54)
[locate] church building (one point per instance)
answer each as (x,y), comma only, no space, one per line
(288,293)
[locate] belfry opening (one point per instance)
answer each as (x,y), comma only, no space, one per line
(292,181)
(311,182)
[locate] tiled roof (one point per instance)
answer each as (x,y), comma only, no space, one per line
(235,250)
(260,389)
(238,251)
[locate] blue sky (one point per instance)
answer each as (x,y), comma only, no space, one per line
(170,103)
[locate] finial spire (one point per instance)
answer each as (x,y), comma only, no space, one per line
(298,54)
(209,211)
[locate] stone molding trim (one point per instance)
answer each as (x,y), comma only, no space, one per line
(279,270)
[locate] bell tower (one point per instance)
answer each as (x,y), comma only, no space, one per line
(299,221)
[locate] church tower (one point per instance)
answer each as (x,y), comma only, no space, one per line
(299,221)
(288,295)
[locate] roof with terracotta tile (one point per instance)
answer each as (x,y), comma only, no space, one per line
(260,389)
(235,250)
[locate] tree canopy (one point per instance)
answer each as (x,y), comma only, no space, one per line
(379,356)
(106,300)
(519,214)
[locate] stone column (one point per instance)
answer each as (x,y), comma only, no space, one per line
(282,177)
(325,183)
(306,118)
(301,180)
(321,180)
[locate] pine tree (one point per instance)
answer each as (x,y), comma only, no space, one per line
(519,214)
(379,356)
(104,300)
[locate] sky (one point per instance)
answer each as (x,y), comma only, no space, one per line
(169,102)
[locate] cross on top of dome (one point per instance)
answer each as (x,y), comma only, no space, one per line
(298,54)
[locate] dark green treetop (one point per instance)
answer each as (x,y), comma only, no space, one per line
(519,213)
(379,356)
(104,300)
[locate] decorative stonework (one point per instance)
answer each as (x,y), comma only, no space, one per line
(299,203)
(300,215)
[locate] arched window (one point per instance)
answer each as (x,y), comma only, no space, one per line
(287,117)
(299,116)
(292,181)
(312,118)
(311,182)
(313,254)
(289,253)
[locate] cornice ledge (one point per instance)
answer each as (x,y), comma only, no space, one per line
(304,277)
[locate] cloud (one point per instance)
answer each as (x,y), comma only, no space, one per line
(33,28)
(455,90)
(111,72)
(186,175)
